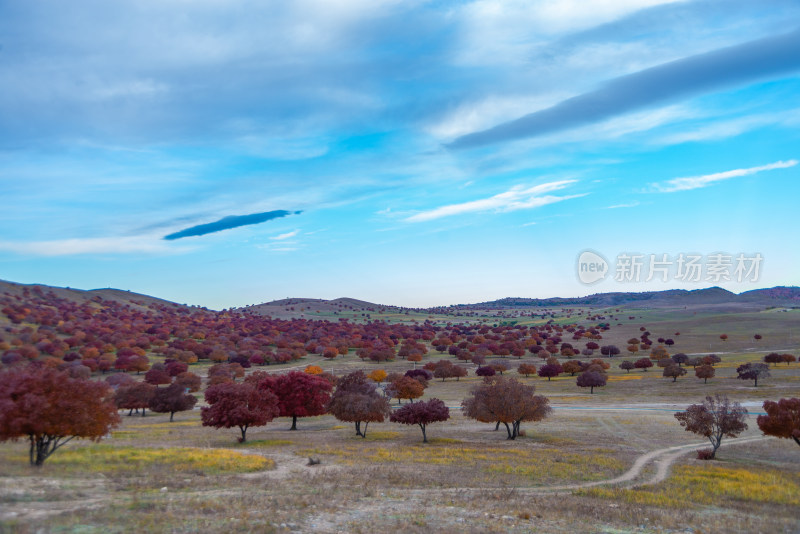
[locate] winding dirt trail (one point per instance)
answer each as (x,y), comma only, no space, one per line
(662,459)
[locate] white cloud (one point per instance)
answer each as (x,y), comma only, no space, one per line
(504,30)
(628,205)
(478,115)
(516,198)
(91,245)
(724,129)
(696,182)
(287,235)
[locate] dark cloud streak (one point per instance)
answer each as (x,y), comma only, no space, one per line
(660,84)
(226,223)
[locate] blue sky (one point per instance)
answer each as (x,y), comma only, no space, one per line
(226,153)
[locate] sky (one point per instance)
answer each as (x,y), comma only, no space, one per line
(418,153)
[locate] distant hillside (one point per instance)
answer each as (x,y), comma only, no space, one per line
(707,297)
(307,308)
(80,295)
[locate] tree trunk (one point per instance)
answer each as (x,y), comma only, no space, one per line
(143,410)
(364,433)
(424,435)
(674,378)
(244,433)
(591,390)
(170,416)
(358,428)
(705,381)
(294,423)
(130,412)
(497,426)
(508,430)
(756,384)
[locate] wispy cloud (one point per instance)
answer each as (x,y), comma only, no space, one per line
(92,245)
(226,223)
(696,182)
(516,198)
(678,79)
(287,235)
(628,205)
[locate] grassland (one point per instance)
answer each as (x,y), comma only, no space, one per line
(154,476)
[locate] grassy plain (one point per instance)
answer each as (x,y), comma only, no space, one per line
(154,476)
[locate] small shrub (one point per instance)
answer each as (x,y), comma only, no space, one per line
(705,454)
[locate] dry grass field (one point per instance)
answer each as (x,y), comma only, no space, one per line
(613,461)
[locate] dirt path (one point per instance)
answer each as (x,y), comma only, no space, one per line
(662,459)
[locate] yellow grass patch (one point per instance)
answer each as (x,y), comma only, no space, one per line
(539,464)
(622,378)
(166,425)
(110,459)
(267,443)
(712,485)
(381,435)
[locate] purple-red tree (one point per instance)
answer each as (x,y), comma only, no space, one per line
(157,377)
(357,400)
(171,399)
(422,414)
(550,370)
(591,380)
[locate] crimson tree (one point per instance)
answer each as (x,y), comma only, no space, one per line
(715,418)
(238,405)
(422,414)
(50,409)
(299,394)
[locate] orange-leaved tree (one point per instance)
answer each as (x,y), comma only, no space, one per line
(506,400)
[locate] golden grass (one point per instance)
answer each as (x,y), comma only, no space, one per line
(165,425)
(710,485)
(622,378)
(379,435)
(112,459)
(550,463)
(266,443)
